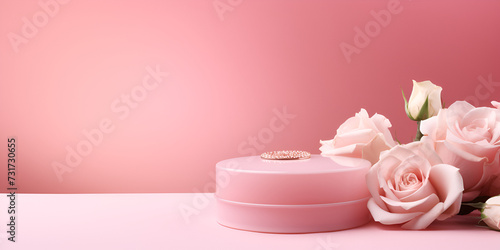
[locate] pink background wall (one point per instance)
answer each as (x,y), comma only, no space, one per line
(69,68)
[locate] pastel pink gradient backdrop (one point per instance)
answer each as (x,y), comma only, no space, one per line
(225,79)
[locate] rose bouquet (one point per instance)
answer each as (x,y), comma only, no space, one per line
(452,164)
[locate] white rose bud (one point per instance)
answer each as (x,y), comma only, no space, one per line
(425,101)
(491,212)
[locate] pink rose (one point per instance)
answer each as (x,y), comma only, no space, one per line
(493,187)
(411,185)
(469,139)
(360,136)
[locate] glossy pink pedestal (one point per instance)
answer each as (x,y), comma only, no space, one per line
(292,196)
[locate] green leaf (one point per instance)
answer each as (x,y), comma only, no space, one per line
(424,111)
(406,106)
(477,205)
(396,138)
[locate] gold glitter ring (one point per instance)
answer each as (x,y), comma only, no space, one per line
(286,155)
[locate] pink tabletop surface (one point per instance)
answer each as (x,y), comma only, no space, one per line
(155,221)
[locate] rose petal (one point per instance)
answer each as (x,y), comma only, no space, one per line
(371,151)
(480,148)
(470,165)
(360,137)
(488,115)
(449,186)
(457,110)
(422,205)
(424,220)
(435,127)
(425,189)
(384,174)
(421,193)
(478,131)
(495,134)
(388,218)
(367,123)
(328,149)
(429,126)
(435,101)
(490,170)
(408,168)
(352,122)
(417,98)
(349,124)
(326,145)
(496,104)
(383,124)
(374,188)
(454,115)
(408,176)
(426,150)
(492,187)
(390,162)
(353,150)
(401,152)
(355,136)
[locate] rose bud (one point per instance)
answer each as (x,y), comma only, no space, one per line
(425,101)
(491,213)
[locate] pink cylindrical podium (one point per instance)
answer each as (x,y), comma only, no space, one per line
(292,196)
